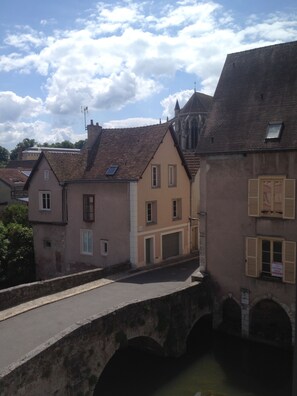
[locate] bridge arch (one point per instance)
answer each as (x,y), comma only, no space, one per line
(71,362)
(270,322)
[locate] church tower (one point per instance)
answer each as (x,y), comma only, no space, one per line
(189,120)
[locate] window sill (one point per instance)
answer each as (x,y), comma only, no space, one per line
(271,278)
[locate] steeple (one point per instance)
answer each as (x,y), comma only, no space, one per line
(177,108)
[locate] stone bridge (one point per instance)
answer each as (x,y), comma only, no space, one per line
(72,362)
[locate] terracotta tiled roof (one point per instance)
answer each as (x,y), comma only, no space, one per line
(256,87)
(12,176)
(66,165)
(198,103)
(130,149)
(193,162)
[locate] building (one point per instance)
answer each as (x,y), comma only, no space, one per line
(248,154)
(188,123)
(123,198)
(33,153)
(12,182)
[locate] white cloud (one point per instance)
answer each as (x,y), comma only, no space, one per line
(131,122)
(124,52)
(169,103)
(14,107)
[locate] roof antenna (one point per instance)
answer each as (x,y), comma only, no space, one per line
(84,109)
(194,86)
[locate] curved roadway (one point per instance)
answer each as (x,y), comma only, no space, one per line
(24,332)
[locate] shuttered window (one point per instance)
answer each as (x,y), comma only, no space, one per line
(271,257)
(271,197)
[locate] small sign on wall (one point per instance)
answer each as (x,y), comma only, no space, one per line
(244,296)
(277,269)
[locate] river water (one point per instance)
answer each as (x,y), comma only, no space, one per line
(219,365)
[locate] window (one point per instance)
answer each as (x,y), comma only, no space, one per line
(89,207)
(104,247)
(86,242)
(111,170)
(176,209)
(171,175)
(46,174)
(47,243)
(271,197)
(44,200)
(151,212)
(271,258)
(274,130)
(156,176)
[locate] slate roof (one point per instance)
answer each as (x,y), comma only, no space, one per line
(130,149)
(12,176)
(256,87)
(193,162)
(198,103)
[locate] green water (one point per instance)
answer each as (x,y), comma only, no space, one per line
(224,366)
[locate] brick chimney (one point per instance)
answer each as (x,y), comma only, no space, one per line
(93,132)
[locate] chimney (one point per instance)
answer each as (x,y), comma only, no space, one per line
(93,132)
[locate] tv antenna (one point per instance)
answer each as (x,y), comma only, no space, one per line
(84,109)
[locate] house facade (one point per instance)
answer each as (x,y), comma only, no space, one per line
(12,182)
(123,198)
(248,168)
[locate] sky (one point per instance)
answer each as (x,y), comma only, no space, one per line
(127,62)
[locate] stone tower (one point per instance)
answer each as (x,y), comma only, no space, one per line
(189,120)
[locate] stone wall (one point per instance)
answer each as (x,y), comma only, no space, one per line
(71,362)
(19,294)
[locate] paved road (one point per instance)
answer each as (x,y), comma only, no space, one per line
(22,333)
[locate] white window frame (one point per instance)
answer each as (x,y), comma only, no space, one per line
(171,175)
(156,183)
(151,212)
(45,201)
(86,245)
(46,174)
(176,209)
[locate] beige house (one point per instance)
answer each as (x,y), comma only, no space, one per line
(12,183)
(124,198)
(248,193)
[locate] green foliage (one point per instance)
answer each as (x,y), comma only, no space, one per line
(25,144)
(17,263)
(15,213)
(4,156)
(20,266)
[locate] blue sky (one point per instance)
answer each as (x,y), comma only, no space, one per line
(127,61)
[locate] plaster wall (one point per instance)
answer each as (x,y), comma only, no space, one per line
(166,155)
(226,224)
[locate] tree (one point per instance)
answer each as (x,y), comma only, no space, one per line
(15,213)
(79,144)
(3,250)
(4,156)
(20,267)
(21,146)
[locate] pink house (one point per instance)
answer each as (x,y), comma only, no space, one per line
(124,198)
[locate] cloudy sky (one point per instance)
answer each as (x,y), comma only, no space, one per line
(126,61)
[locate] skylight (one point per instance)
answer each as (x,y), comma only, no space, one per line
(274,130)
(111,170)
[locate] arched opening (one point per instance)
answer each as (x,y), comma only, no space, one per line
(270,323)
(129,365)
(194,134)
(200,337)
(231,317)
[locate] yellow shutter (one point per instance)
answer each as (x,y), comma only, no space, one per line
(251,265)
(289,199)
(253,197)
(289,262)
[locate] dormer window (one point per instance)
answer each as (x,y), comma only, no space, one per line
(111,170)
(274,130)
